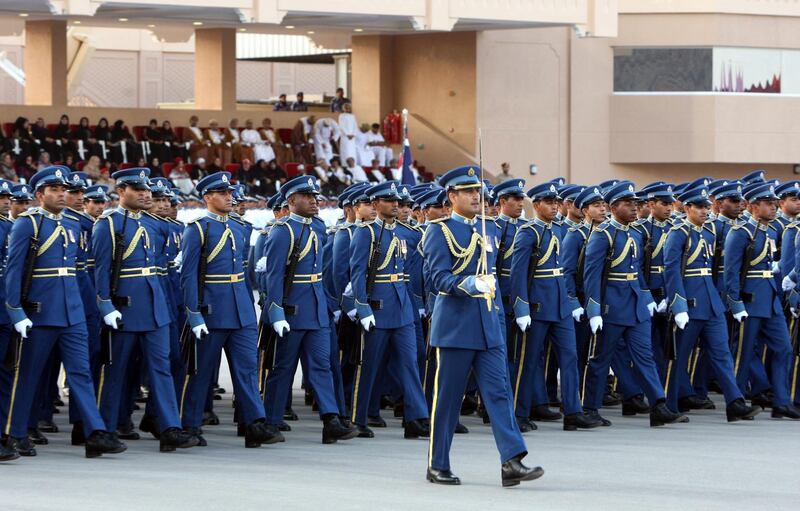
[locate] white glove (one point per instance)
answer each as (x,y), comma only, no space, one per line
(112,318)
(485,285)
(368,322)
(739,316)
(681,319)
(261,265)
(794,312)
(662,306)
(421,313)
(577,313)
(651,307)
(178,259)
(281,327)
(787,284)
(524,323)
(348,291)
(776,267)
(22,327)
(596,323)
(352,314)
(200,330)
(336,316)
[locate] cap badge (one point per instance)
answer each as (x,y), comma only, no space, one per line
(521,184)
(471,172)
(224,178)
(310,182)
(552,188)
(630,188)
(58,173)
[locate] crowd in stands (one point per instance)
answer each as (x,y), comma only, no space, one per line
(338,151)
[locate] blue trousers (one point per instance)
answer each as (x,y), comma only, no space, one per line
(336,371)
(36,349)
(155,350)
(6,376)
(490,367)
(315,345)
(403,344)
(241,352)
(773,331)
(712,335)
(637,340)
(529,376)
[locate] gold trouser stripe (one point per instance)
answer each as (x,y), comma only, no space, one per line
(547,356)
(697,353)
(793,393)
(764,354)
(183,393)
(739,349)
(670,363)
(13,390)
(358,380)
(433,405)
(101,385)
(519,369)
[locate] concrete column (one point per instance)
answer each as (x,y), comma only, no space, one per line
(215,69)
(46,63)
(372,77)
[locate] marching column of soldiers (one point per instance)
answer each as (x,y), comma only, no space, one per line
(439,300)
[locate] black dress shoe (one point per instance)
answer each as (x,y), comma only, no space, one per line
(78,437)
(417,428)
(37,437)
(127,432)
(738,410)
(461,429)
(364,432)
(333,430)
(58,402)
(762,400)
(174,438)
(149,424)
(399,409)
(442,477)
(695,403)
(8,454)
(216,397)
(346,421)
(308,397)
(198,433)
(259,433)
(23,446)
(545,414)
(611,399)
(483,414)
(660,415)
(575,421)
(635,405)
(219,390)
(47,427)
(514,472)
(103,442)
(376,421)
(284,427)
(469,405)
(525,425)
(781,412)
(210,418)
(289,415)
(387,402)
(593,414)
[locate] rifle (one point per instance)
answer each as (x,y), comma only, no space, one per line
(357,353)
(106,334)
(579,268)
(532,264)
(733,327)
(188,339)
(671,347)
(268,338)
(14,350)
(648,254)
(717,257)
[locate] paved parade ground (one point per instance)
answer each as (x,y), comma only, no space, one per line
(706,464)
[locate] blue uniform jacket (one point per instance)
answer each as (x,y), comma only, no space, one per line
(54,285)
(340,261)
(656,232)
(161,238)
(694,291)
(462,317)
(507,229)
(85,279)
(139,280)
(624,299)
(411,237)
(574,241)
(5,230)
(545,297)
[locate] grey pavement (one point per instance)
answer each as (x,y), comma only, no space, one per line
(705,465)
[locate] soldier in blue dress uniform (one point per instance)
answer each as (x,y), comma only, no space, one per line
(756,306)
(135,311)
(49,316)
(466,331)
(696,306)
(6,328)
(614,285)
(543,309)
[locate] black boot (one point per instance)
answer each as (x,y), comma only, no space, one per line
(210,419)
(461,429)
(399,409)
(174,438)
(635,405)
(695,403)
(779,412)
(198,433)
(575,421)
(738,410)
(22,446)
(7,454)
(289,415)
(127,432)
(514,472)
(103,442)
(661,415)
(376,421)
(593,414)
(442,477)
(417,428)
(333,430)
(47,427)
(364,432)
(37,437)
(78,436)
(525,425)
(149,424)
(544,413)
(259,433)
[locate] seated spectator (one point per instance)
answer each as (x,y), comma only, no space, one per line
(283,152)
(342,174)
(380,149)
(364,154)
(329,182)
(5,142)
(25,169)
(197,143)
(102,134)
(7,167)
(180,177)
(375,174)
(69,162)
(262,150)
(240,150)
(216,166)
(218,147)
(45,140)
(200,169)
(300,139)
(84,140)
(359,176)
(274,177)
(338,102)
(123,145)
(62,136)
(172,147)
(299,105)
(248,175)
(325,131)
(43,161)
(155,167)
(155,143)
(22,140)
(281,105)
(93,170)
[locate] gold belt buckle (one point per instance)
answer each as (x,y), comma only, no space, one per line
(314,278)
(630,276)
(146,271)
(233,278)
(557,272)
(394,277)
(62,272)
